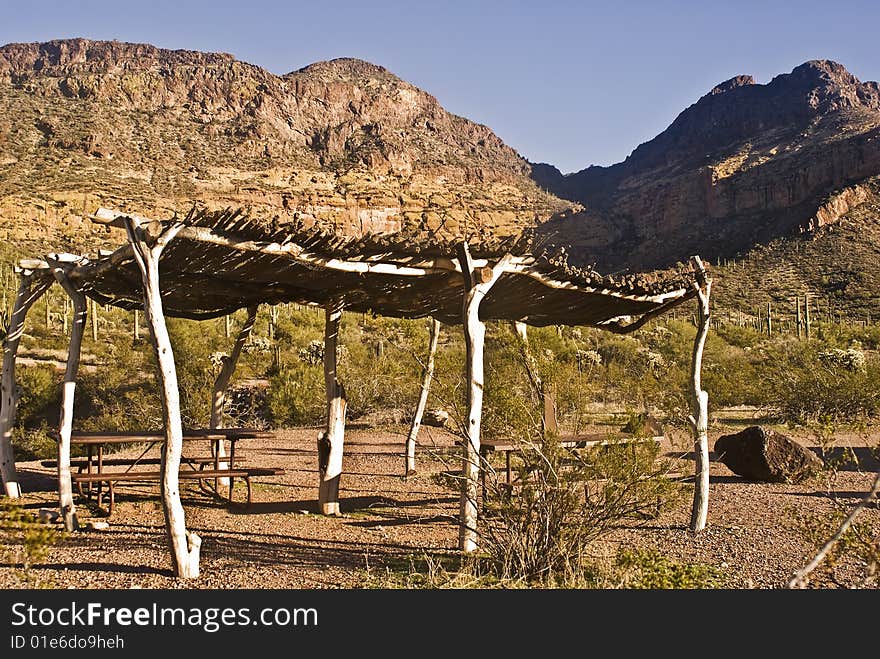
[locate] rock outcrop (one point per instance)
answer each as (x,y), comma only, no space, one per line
(745,164)
(342,144)
(764,455)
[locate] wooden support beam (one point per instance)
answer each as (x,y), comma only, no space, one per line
(30,289)
(184,546)
(221,384)
(330,442)
(477,285)
(427,375)
(700,403)
(66,506)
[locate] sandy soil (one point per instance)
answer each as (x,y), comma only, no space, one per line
(280,541)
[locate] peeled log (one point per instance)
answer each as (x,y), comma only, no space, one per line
(66,505)
(331,443)
(427,375)
(184,545)
(700,404)
(29,291)
(477,285)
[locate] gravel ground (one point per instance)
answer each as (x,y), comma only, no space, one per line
(279,542)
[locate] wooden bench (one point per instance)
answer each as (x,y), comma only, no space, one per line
(83,463)
(110,478)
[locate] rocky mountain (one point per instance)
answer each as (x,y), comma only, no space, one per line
(745,165)
(342,144)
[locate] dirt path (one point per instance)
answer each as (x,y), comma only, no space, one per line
(281,543)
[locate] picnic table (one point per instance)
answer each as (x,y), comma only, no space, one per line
(95,463)
(571,442)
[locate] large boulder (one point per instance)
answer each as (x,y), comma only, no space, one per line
(760,454)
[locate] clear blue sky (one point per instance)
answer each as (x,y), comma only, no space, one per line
(565,82)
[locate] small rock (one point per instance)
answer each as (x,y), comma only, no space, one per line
(764,455)
(437,418)
(48,515)
(98,526)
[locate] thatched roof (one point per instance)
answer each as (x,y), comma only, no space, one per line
(222,261)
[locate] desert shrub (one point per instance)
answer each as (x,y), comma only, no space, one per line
(541,533)
(837,335)
(851,359)
(25,539)
(813,392)
(296,395)
(35,443)
(647,569)
(376,382)
(193,347)
(740,337)
(39,391)
(122,393)
(858,544)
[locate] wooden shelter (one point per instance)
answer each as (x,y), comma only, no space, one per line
(209,264)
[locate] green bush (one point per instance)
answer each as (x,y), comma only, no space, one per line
(121,394)
(25,540)
(541,533)
(813,392)
(296,396)
(646,569)
(39,391)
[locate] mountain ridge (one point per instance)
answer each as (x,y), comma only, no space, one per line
(342,144)
(745,164)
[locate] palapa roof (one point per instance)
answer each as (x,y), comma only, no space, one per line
(221,261)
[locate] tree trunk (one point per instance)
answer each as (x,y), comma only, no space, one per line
(331,444)
(221,384)
(427,376)
(29,291)
(66,507)
(477,284)
(184,545)
(700,405)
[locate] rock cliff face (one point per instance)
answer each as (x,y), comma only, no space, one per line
(342,143)
(746,164)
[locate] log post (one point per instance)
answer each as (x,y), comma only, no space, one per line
(477,283)
(147,245)
(66,507)
(769,321)
(221,384)
(700,403)
(797,307)
(330,442)
(30,290)
(427,375)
